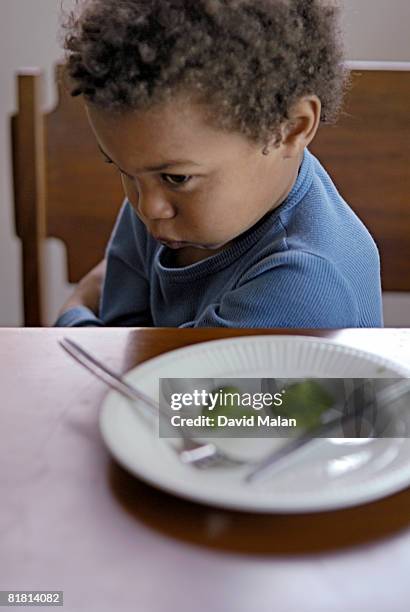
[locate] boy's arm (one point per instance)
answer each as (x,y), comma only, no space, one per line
(85,299)
(116,292)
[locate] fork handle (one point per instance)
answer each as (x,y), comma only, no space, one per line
(111,378)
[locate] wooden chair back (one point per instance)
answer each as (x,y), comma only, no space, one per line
(367,154)
(63,190)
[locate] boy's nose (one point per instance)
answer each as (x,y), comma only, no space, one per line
(154,206)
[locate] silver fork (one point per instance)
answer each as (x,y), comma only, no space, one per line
(193,452)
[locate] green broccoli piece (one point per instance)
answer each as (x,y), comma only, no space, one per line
(305,402)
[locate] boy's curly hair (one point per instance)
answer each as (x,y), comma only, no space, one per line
(248,60)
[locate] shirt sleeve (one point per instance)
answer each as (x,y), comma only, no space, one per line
(80,316)
(298,292)
(125,295)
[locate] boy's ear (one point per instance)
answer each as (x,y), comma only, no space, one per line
(301,127)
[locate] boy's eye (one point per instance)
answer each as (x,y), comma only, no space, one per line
(171,179)
(176,179)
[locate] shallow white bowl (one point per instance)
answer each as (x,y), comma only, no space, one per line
(327,474)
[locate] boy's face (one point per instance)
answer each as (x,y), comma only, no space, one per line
(195,187)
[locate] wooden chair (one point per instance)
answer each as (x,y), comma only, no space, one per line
(63,190)
(367,154)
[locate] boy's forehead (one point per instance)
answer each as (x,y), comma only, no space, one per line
(175,127)
(175,113)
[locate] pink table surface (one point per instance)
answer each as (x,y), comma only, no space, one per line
(71,519)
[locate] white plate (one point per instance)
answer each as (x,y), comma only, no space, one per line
(328,474)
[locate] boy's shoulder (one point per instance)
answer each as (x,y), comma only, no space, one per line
(316,219)
(317,248)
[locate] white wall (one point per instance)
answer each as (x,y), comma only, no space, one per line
(374,30)
(377,29)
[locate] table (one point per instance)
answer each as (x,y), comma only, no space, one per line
(71,519)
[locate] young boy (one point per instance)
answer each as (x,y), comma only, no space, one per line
(207,108)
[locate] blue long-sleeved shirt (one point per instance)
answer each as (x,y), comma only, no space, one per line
(309,263)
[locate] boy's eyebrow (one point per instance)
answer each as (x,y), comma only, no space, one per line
(159,167)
